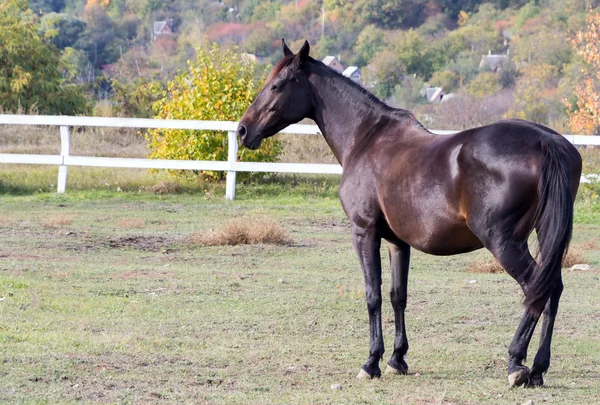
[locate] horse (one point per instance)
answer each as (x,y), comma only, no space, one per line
(484,187)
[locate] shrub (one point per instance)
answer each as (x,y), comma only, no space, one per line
(220,86)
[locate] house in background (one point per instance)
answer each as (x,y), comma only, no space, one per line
(333,63)
(434,95)
(493,63)
(161,28)
(353,73)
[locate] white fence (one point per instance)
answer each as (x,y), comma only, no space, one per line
(231,166)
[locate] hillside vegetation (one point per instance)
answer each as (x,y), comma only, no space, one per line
(123,52)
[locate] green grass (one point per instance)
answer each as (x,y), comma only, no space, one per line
(96,311)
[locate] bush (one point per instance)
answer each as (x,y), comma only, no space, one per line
(219,85)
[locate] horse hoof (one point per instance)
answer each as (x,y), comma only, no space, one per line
(536,381)
(391,370)
(363,375)
(518,378)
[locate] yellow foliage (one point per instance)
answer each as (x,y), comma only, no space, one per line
(463,17)
(218,86)
(585,117)
(103,3)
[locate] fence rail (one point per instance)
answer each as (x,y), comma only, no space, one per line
(231,165)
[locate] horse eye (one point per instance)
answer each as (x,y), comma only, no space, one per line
(276,87)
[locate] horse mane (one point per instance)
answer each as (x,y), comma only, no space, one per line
(377,103)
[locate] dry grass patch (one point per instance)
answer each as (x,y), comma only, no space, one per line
(166,187)
(57,221)
(129,223)
(485,266)
(574,256)
(245,231)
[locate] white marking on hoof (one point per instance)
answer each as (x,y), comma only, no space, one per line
(363,375)
(391,370)
(518,378)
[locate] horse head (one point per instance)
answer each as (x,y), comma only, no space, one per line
(285,99)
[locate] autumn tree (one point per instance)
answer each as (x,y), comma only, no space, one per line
(585,116)
(30,72)
(220,86)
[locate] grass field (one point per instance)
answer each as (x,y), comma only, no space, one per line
(105,298)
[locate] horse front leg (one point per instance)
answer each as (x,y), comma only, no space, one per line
(367,244)
(399,263)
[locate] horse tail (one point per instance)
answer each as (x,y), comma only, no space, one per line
(553,222)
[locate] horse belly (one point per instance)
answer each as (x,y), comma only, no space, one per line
(445,238)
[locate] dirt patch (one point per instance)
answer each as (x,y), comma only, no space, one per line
(145,243)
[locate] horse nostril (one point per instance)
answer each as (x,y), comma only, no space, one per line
(242,131)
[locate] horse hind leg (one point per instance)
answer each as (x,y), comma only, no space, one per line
(515,258)
(541,363)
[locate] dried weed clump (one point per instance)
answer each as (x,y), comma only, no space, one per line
(166,187)
(574,256)
(57,221)
(245,231)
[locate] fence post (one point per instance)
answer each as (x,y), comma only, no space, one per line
(65,148)
(232,151)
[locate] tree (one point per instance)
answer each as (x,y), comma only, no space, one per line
(369,42)
(585,117)
(535,93)
(219,85)
(62,29)
(30,72)
(484,84)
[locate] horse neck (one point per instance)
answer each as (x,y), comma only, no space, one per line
(342,111)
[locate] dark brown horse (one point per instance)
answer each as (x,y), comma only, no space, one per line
(485,187)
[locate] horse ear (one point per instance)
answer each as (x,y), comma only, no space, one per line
(286,51)
(303,54)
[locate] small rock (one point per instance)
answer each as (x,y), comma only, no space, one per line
(472,281)
(581,267)
(417,374)
(280,281)
(530,402)
(336,386)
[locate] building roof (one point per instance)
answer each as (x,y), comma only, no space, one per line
(328,59)
(433,93)
(161,27)
(350,70)
(492,61)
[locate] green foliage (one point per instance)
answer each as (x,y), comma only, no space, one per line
(369,42)
(391,14)
(135,99)
(217,86)
(526,12)
(484,84)
(30,73)
(535,95)
(407,94)
(445,79)
(63,30)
